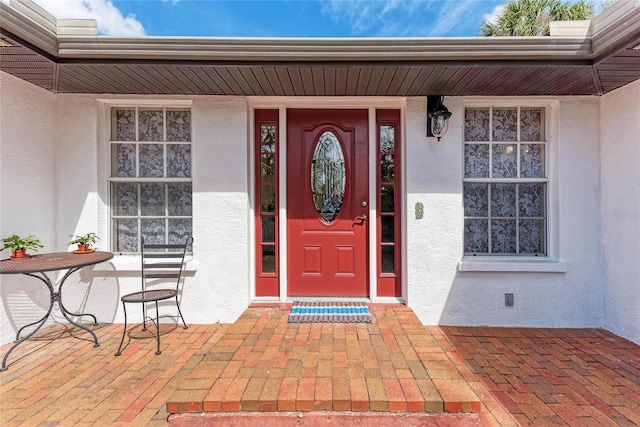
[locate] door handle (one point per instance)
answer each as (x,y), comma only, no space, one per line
(360,217)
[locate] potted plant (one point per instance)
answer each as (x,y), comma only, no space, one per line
(19,245)
(84,242)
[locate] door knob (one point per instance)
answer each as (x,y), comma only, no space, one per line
(362,217)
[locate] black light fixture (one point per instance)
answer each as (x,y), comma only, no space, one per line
(437,116)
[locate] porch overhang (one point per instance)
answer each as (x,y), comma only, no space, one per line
(58,57)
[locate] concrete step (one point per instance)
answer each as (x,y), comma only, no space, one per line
(321,418)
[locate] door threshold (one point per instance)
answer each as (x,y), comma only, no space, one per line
(290,299)
(329,299)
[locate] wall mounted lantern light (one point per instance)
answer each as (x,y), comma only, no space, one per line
(437,116)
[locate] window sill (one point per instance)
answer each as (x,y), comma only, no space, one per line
(131,263)
(516,266)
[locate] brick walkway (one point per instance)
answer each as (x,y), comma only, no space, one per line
(552,377)
(262,363)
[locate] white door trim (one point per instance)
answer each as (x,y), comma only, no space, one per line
(282,104)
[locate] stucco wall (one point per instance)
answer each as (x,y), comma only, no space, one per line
(217,281)
(441,294)
(27,191)
(69,131)
(620,152)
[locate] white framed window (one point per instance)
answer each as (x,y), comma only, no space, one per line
(150,180)
(505,181)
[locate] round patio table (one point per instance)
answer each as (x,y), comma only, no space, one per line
(37,266)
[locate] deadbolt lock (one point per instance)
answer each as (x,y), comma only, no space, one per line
(364,204)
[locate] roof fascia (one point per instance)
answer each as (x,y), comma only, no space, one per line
(333,49)
(616,27)
(31,23)
(612,29)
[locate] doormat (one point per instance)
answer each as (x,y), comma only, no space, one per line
(329,312)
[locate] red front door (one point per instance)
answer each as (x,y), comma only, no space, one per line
(327,202)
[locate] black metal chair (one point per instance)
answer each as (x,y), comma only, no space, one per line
(160,262)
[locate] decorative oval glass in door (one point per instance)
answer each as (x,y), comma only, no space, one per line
(328,176)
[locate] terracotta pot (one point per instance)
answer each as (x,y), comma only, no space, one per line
(83,248)
(19,254)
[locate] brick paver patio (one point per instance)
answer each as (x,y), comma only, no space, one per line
(555,377)
(392,367)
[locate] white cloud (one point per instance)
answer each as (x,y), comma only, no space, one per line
(451,15)
(110,19)
(172,1)
(406,18)
(492,17)
(381,17)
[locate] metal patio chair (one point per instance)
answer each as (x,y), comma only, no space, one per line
(160,263)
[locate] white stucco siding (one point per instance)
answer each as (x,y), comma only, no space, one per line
(220,289)
(80,187)
(620,151)
(217,281)
(27,191)
(579,206)
(70,131)
(594,200)
(434,243)
(439,293)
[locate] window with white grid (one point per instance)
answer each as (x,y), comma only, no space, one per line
(150,180)
(505,181)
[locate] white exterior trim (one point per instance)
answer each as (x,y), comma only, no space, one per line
(373,208)
(282,214)
(165,100)
(325,102)
(282,104)
(551,262)
(495,265)
(251,251)
(34,24)
(404,208)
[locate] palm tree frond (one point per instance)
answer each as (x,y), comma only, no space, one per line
(532,17)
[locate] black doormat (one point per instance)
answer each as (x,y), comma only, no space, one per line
(329,312)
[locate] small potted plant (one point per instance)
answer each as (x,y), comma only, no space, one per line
(84,242)
(19,246)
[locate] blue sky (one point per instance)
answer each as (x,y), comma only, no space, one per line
(311,18)
(281,18)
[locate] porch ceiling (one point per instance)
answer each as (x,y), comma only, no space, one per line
(323,67)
